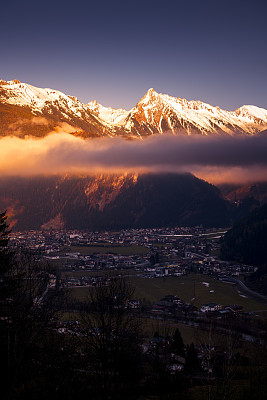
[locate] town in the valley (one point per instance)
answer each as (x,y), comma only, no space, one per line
(84,259)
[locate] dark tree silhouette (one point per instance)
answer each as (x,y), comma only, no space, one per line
(112,339)
(192,364)
(178,343)
(27,307)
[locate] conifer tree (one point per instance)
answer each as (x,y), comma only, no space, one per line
(178,343)
(192,364)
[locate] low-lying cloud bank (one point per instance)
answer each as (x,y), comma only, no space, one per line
(217,159)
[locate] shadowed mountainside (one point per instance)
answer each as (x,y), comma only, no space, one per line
(112,202)
(246,243)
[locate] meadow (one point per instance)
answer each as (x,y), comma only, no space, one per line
(190,288)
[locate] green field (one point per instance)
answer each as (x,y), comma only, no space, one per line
(154,289)
(184,286)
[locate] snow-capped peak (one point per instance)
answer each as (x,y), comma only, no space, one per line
(252,112)
(27,95)
(107,114)
(158,113)
(154,113)
(14,81)
(93,105)
(151,95)
(151,92)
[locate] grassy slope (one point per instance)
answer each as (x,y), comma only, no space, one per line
(183,287)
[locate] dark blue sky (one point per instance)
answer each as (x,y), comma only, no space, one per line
(113,51)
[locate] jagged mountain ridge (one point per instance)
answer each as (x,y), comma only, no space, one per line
(27,110)
(157,113)
(106,202)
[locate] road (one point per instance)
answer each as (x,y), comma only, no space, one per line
(249,291)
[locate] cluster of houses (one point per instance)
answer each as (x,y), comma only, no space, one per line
(214,307)
(167,251)
(171,305)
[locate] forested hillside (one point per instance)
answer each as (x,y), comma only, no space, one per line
(246,243)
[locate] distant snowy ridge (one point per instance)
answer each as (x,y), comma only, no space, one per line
(107,114)
(154,114)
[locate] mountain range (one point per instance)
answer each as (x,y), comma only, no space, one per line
(26,110)
(123,200)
